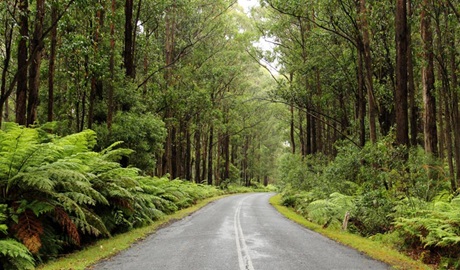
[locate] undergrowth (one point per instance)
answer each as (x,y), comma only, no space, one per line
(57,195)
(406,203)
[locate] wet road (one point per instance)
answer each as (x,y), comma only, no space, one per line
(241,232)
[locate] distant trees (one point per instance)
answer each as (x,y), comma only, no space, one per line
(172,79)
(399,58)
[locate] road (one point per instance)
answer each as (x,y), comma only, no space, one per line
(241,232)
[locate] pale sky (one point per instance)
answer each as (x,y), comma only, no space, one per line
(247,4)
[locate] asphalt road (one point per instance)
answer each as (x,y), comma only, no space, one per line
(241,232)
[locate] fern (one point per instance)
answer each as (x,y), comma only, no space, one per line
(29,230)
(15,255)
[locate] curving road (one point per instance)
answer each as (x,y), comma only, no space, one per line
(241,232)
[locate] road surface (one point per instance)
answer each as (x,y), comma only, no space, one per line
(241,232)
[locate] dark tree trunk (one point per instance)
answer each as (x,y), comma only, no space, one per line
(210,148)
(402,125)
(430,130)
(411,83)
(110,92)
(6,64)
(128,53)
(96,83)
(52,65)
(366,52)
(197,155)
(361,101)
(36,48)
(21,92)
(292,131)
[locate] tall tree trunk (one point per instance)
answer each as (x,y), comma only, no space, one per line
(308,146)
(52,65)
(21,92)
(36,48)
(96,83)
(128,53)
(292,131)
(8,38)
(188,155)
(110,94)
(402,125)
(429,102)
(361,103)
(368,65)
(197,155)
(411,82)
(210,148)
(455,111)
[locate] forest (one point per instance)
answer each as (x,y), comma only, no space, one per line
(114,113)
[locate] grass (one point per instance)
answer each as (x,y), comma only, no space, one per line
(371,248)
(107,248)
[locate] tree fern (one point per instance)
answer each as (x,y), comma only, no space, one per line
(14,255)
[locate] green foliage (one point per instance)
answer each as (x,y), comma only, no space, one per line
(57,194)
(434,226)
(143,133)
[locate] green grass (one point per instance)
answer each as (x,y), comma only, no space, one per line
(371,248)
(109,247)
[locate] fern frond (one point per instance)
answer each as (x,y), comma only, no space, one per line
(17,254)
(29,229)
(67,224)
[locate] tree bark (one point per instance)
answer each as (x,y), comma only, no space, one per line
(21,92)
(411,83)
(128,53)
(110,90)
(36,48)
(430,129)
(52,61)
(368,65)
(210,148)
(402,125)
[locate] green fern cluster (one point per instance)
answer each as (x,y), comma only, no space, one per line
(57,194)
(435,226)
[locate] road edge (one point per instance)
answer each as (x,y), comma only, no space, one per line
(372,249)
(107,248)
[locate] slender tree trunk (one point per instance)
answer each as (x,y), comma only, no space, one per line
(6,64)
(52,65)
(204,170)
(292,129)
(197,137)
(21,92)
(128,54)
(308,139)
(96,84)
(402,125)
(210,148)
(430,130)
(368,65)
(301,134)
(411,82)
(319,125)
(455,111)
(361,101)
(188,155)
(110,92)
(36,48)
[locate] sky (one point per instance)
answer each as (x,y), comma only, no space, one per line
(262,43)
(247,4)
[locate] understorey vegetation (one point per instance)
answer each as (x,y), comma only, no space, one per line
(58,195)
(406,204)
